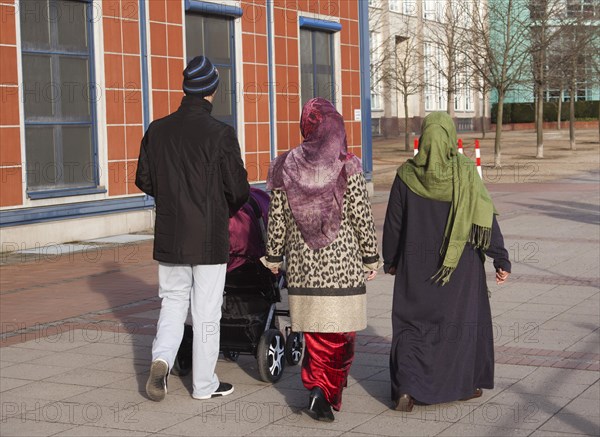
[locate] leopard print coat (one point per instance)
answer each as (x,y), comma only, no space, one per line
(326,287)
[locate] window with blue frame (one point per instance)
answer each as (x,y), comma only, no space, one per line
(316,64)
(58,96)
(212,36)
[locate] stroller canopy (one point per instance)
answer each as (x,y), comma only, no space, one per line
(246,239)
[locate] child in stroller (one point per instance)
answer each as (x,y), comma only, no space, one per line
(249,313)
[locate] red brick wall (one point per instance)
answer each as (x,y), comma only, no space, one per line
(11,186)
(255,89)
(350,63)
(287,69)
(123,93)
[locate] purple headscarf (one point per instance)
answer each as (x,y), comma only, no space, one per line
(315,174)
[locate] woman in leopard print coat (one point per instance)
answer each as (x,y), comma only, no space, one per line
(320,220)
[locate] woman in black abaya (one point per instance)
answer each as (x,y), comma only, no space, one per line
(440,224)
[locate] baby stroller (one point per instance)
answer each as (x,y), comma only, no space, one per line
(249,312)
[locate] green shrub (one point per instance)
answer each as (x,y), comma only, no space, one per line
(525,112)
(522,113)
(505,115)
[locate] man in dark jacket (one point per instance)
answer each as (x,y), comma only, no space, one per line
(191,164)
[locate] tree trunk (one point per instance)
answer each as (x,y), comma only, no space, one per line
(560,99)
(536,103)
(450,104)
(406,133)
(497,151)
(450,88)
(483,117)
(540,122)
(572,118)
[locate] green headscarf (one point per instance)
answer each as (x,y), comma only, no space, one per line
(439,172)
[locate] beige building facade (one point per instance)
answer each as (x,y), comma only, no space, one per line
(416,54)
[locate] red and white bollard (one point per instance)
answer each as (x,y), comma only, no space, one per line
(416,146)
(478,158)
(460,146)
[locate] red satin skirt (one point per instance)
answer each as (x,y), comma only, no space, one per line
(326,364)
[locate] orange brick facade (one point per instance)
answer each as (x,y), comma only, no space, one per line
(123,104)
(11,187)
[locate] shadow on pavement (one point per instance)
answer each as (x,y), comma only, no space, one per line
(113,282)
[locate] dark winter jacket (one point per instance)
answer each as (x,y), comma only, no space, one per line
(191,164)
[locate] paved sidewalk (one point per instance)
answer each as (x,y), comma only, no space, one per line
(76,329)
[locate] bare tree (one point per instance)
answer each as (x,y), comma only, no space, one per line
(499,50)
(483,88)
(545,28)
(402,70)
(378,14)
(555,76)
(395,58)
(446,28)
(379,36)
(479,75)
(580,45)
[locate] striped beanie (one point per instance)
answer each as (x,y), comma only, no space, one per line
(200,77)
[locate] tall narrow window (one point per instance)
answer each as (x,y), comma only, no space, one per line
(376,68)
(428,78)
(468,91)
(433,10)
(58,94)
(212,36)
(409,7)
(316,65)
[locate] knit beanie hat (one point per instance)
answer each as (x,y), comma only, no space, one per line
(200,77)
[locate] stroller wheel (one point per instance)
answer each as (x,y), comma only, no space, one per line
(270,355)
(230,355)
(294,345)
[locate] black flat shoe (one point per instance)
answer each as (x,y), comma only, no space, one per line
(477,394)
(405,403)
(318,407)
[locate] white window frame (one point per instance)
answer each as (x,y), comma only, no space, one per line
(409,7)
(376,103)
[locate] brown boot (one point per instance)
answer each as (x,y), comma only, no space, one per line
(477,394)
(405,403)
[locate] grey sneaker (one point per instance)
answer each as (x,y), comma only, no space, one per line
(223,389)
(156,387)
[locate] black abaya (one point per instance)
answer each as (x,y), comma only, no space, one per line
(442,345)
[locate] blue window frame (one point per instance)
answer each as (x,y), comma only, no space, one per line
(212,36)
(316,59)
(58,96)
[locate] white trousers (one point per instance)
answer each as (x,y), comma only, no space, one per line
(203,286)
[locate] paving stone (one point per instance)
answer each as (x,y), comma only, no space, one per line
(460,429)
(10,383)
(45,390)
(93,431)
(88,377)
(275,430)
(231,419)
(31,428)
(573,424)
(33,372)
(394,425)
(14,354)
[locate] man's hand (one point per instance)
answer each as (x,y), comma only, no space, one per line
(392,271)
(501,276)
(275,270)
